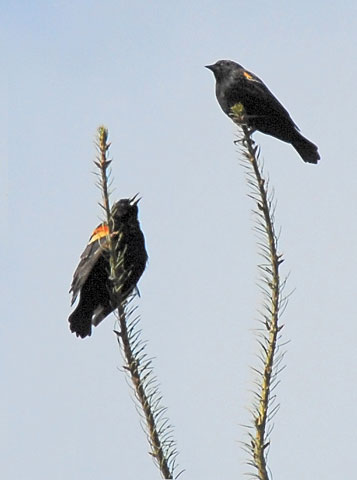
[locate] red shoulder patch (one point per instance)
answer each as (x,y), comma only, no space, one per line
(248,75)
(99,232)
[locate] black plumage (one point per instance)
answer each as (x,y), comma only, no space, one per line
(91,278)
(264,112)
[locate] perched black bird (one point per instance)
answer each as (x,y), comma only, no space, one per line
(264,112)
(91,278)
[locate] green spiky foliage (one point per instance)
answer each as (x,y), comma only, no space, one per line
(268,335)
(137,364)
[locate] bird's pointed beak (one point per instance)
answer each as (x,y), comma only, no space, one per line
(210,67)
(135,200)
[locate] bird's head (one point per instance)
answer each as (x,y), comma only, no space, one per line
(223,68)
(126,208)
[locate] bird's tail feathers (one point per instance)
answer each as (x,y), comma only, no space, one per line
(80,322)
(306,149)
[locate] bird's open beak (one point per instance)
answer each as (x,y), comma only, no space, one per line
(135,200)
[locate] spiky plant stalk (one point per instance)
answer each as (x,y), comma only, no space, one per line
(274,302)
(137,363)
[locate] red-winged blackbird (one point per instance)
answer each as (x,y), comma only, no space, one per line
(264,112)
(91,278)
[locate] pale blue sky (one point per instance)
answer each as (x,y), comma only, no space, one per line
(66,409)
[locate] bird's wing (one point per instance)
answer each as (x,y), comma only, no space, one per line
(256,88)
(96,245)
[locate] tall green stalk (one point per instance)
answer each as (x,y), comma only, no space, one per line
(274,302)
(137,363)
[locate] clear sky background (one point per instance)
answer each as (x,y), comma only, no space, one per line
(67,67)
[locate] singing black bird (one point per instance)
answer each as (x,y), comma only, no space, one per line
(264,112)
(91,278)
